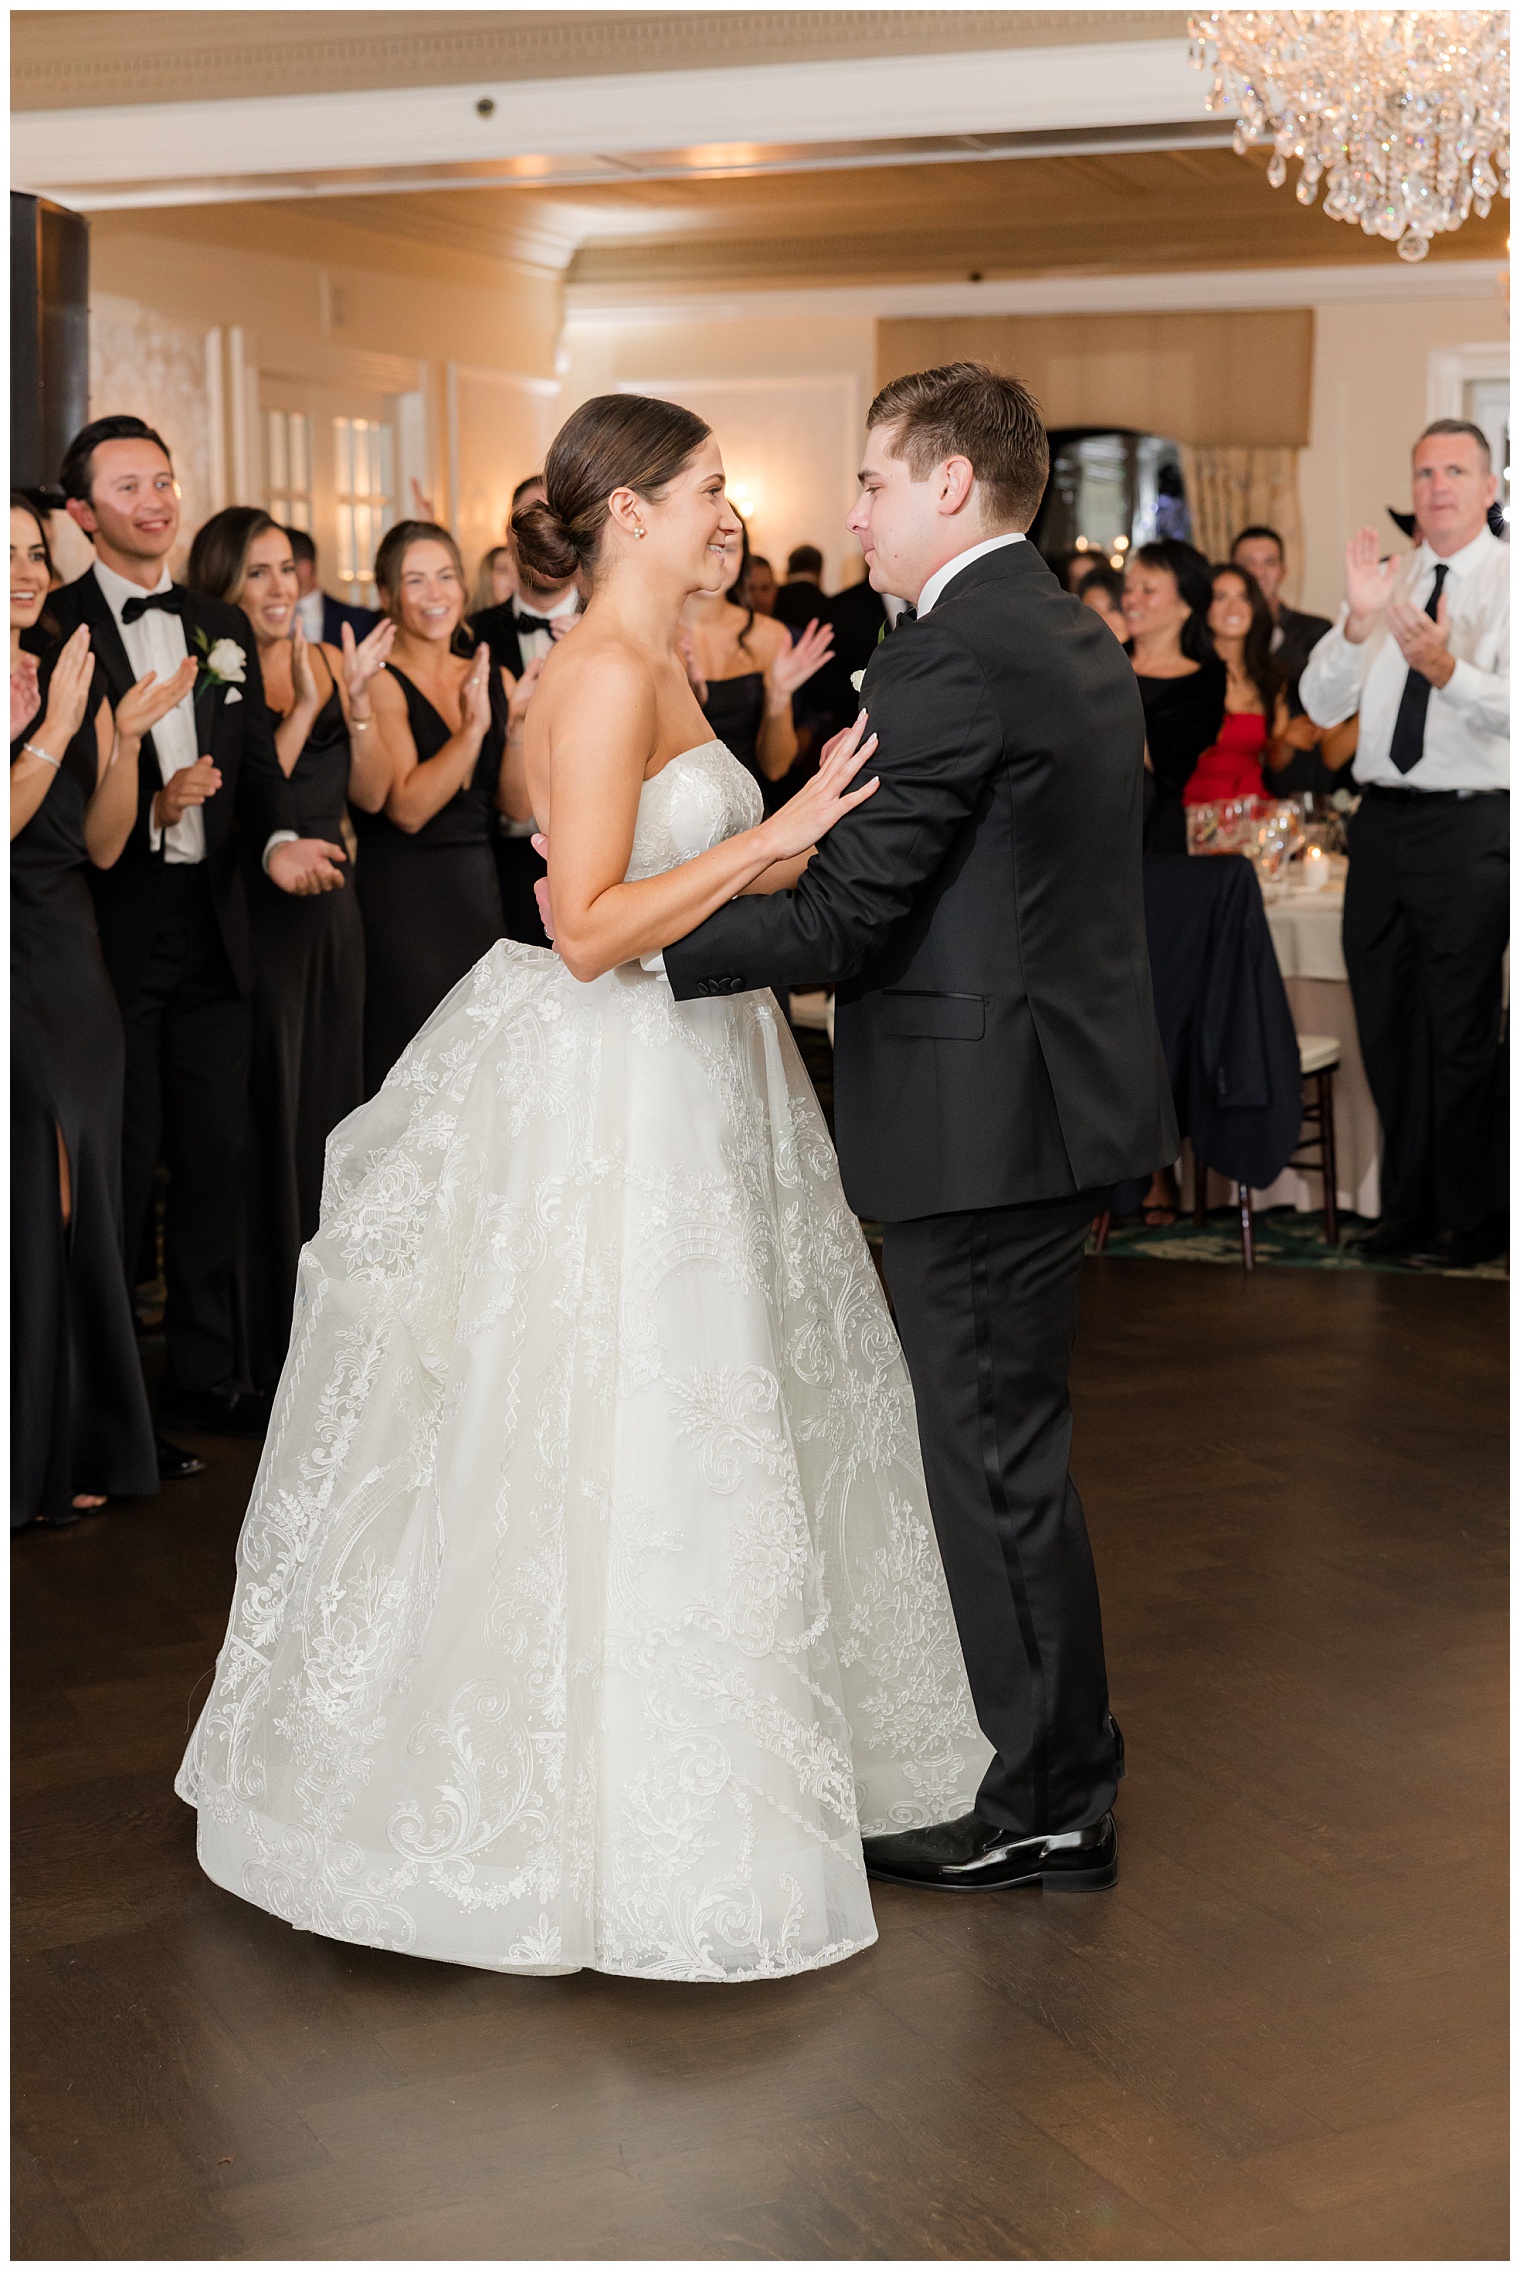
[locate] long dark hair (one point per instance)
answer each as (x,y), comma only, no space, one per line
(741,582)
(219,555)
(1194,578)
(45,625)
(614,441)
(1256,648)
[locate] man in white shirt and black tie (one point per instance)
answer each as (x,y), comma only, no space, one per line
(172,913)
(1422,651)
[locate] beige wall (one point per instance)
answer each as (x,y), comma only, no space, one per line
(1207,377)
(204,318)
(1371,373)
(785,399)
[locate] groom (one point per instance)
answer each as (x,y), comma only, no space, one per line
(997,1070)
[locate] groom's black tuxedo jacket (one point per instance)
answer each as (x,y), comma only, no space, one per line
(981,914)
(253,801)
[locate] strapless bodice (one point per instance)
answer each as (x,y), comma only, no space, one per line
(699,799)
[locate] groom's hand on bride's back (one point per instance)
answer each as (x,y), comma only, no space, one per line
(541,890)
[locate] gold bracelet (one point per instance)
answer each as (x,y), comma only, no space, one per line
(360,725)
(30,749)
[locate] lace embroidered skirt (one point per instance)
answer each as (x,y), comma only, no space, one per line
(587,1604)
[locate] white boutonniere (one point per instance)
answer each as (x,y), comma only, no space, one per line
(223,663)
(855,679)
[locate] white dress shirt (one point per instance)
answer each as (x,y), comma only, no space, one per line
(311,608)
(941,576)
(1467,723)
(156,641)
(536,644)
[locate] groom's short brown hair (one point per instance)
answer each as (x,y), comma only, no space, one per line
(970,410)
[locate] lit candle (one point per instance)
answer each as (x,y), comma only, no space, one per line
(1316,869)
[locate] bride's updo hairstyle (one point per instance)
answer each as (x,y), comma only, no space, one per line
(615,441)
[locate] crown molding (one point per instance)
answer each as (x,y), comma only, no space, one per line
(352,143)
(590,306)
(92,58)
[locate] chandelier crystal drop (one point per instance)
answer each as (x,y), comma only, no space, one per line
(1401,113)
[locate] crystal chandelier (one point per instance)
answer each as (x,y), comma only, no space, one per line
(1402,113)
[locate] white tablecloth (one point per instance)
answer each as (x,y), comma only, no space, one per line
(1306,933)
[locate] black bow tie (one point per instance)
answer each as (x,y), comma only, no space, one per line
(539,623)
(173,602)
(908,615)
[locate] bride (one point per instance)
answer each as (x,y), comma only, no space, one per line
(588,1609)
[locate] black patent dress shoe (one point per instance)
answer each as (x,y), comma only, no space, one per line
(973,1855)
(215,1411)
(175,1465)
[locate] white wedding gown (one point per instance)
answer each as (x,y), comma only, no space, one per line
(588,1607)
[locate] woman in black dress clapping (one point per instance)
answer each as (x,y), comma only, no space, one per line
(306,1066)
(1168,591)
(81,1431)
(427,873)
(744,671)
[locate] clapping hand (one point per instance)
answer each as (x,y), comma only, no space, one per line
(69,691)
(808,816)
(795,665)
(1369,583)
(1421,642)
(522,695)
(183,790)
(303,679)
(151,699)
(364,659)
(306,867)
(475,694)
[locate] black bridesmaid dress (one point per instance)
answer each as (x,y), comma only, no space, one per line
(79,1409)
(735,709)
(306,1070)
(431,901)
(1182,719)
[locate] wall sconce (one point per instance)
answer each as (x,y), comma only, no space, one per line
(740,497)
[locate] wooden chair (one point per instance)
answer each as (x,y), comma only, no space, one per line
(1318,1056)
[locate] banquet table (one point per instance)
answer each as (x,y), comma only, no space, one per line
(1306,937)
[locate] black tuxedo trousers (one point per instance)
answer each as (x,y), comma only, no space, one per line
(986,1306)
(188,1027)
(178,948)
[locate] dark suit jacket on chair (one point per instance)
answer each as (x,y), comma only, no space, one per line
(253,801)
(981,914)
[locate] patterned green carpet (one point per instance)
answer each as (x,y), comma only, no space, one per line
(1284,1240)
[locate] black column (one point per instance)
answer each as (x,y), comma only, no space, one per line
(50,336)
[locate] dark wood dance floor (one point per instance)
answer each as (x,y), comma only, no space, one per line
(1283,2035)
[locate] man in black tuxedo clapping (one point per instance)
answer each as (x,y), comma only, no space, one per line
(997,1069)
(519,634)
(173,918)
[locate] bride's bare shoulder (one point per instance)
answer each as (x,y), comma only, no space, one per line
(590,668)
